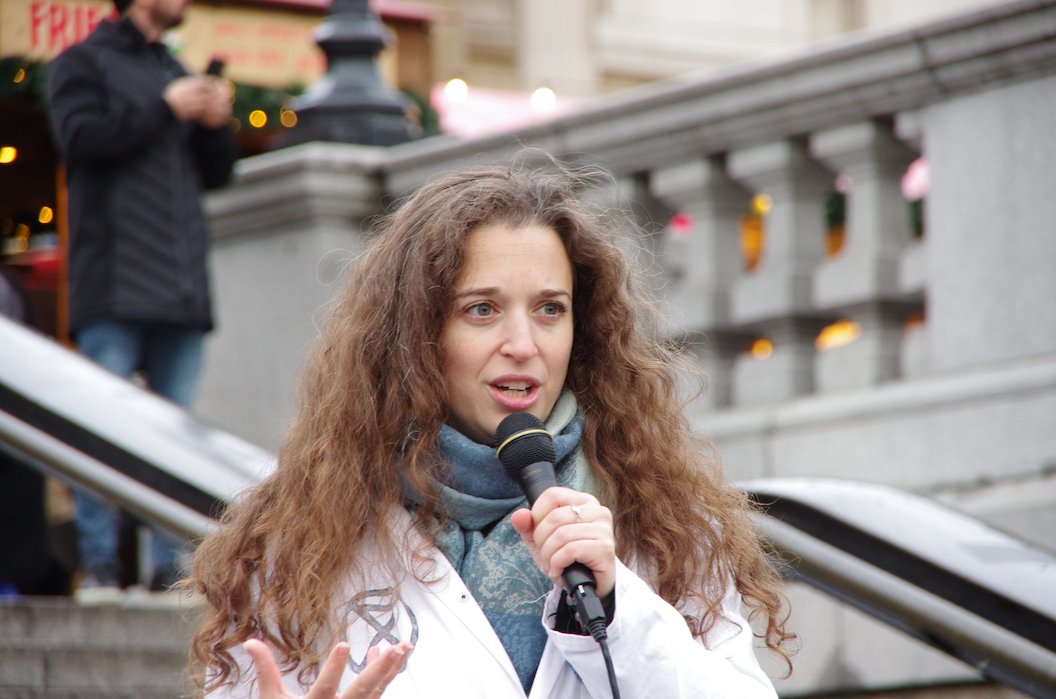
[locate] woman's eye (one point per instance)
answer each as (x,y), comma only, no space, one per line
(553,308)
(480,310)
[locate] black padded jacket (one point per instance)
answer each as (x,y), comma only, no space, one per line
(135,174)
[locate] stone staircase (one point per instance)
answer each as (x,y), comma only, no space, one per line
(53,648)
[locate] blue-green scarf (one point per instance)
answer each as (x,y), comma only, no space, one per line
(496,566)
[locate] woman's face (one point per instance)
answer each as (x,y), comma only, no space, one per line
(508,335)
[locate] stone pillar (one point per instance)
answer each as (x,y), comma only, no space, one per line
(862,282)
(787,373)
(708,260)
(556,47)
(717,352)
(990,219)
(640,222)
(878,225)
(283,235)
(704,264)
(777,299)
(873,358)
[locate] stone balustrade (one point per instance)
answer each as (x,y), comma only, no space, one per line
(950,385)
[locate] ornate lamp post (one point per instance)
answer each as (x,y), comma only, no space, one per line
(349,103)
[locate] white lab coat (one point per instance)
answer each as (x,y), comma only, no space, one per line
(457,653)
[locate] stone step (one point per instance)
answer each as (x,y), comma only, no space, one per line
(53,648)
(77,693)
(132,624)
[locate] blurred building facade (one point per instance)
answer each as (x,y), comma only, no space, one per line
(855,319)
(591,47)
(501,53)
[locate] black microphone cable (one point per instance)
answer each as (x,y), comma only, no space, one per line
(526,452)
(592,617)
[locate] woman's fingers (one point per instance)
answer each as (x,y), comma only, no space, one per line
(382,667)
(268,677)
(523,524)
(568,515)
(589,544)
(329,680)
(573,526)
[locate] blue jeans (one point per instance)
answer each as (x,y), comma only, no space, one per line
(170,357)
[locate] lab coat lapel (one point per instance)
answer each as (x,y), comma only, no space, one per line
(453,595)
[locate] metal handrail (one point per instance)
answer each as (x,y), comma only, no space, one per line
(947,579)
(101,432)
(52,456)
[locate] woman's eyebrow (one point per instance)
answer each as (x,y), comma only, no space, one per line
(479,291)
(494,290)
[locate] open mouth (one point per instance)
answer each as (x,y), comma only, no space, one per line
(514,389)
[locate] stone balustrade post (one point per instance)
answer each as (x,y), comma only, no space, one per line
(706,261)
(862,282)
(776,300)
(645,232)
(878,224)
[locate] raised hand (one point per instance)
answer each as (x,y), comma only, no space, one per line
(186,97)
(216,112)
(202,98)
(382,667)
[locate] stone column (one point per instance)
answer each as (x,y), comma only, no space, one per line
(776,301)
(862,282)
(556,47)
(990,226)
(283,235)
(704,264)
(638,219)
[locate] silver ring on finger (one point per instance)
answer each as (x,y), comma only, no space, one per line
(577,511)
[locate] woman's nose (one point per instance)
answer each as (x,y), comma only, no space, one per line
(519,342)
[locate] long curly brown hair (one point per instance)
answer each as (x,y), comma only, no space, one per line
(369,400)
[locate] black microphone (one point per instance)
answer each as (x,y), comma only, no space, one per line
(526,451)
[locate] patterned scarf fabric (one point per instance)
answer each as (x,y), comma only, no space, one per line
(482,544)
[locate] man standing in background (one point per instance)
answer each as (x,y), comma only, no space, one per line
(141,139)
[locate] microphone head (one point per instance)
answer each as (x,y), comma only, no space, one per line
(522,440)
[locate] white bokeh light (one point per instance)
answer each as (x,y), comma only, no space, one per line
(456,90)
(544,100)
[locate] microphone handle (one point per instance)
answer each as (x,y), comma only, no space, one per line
(578,574)
(535,478)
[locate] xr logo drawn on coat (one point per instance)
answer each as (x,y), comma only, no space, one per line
(374,617)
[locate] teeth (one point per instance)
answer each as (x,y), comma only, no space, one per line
(515,388)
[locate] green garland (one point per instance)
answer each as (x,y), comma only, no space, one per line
(836,212)
(23,77)
(251,98)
